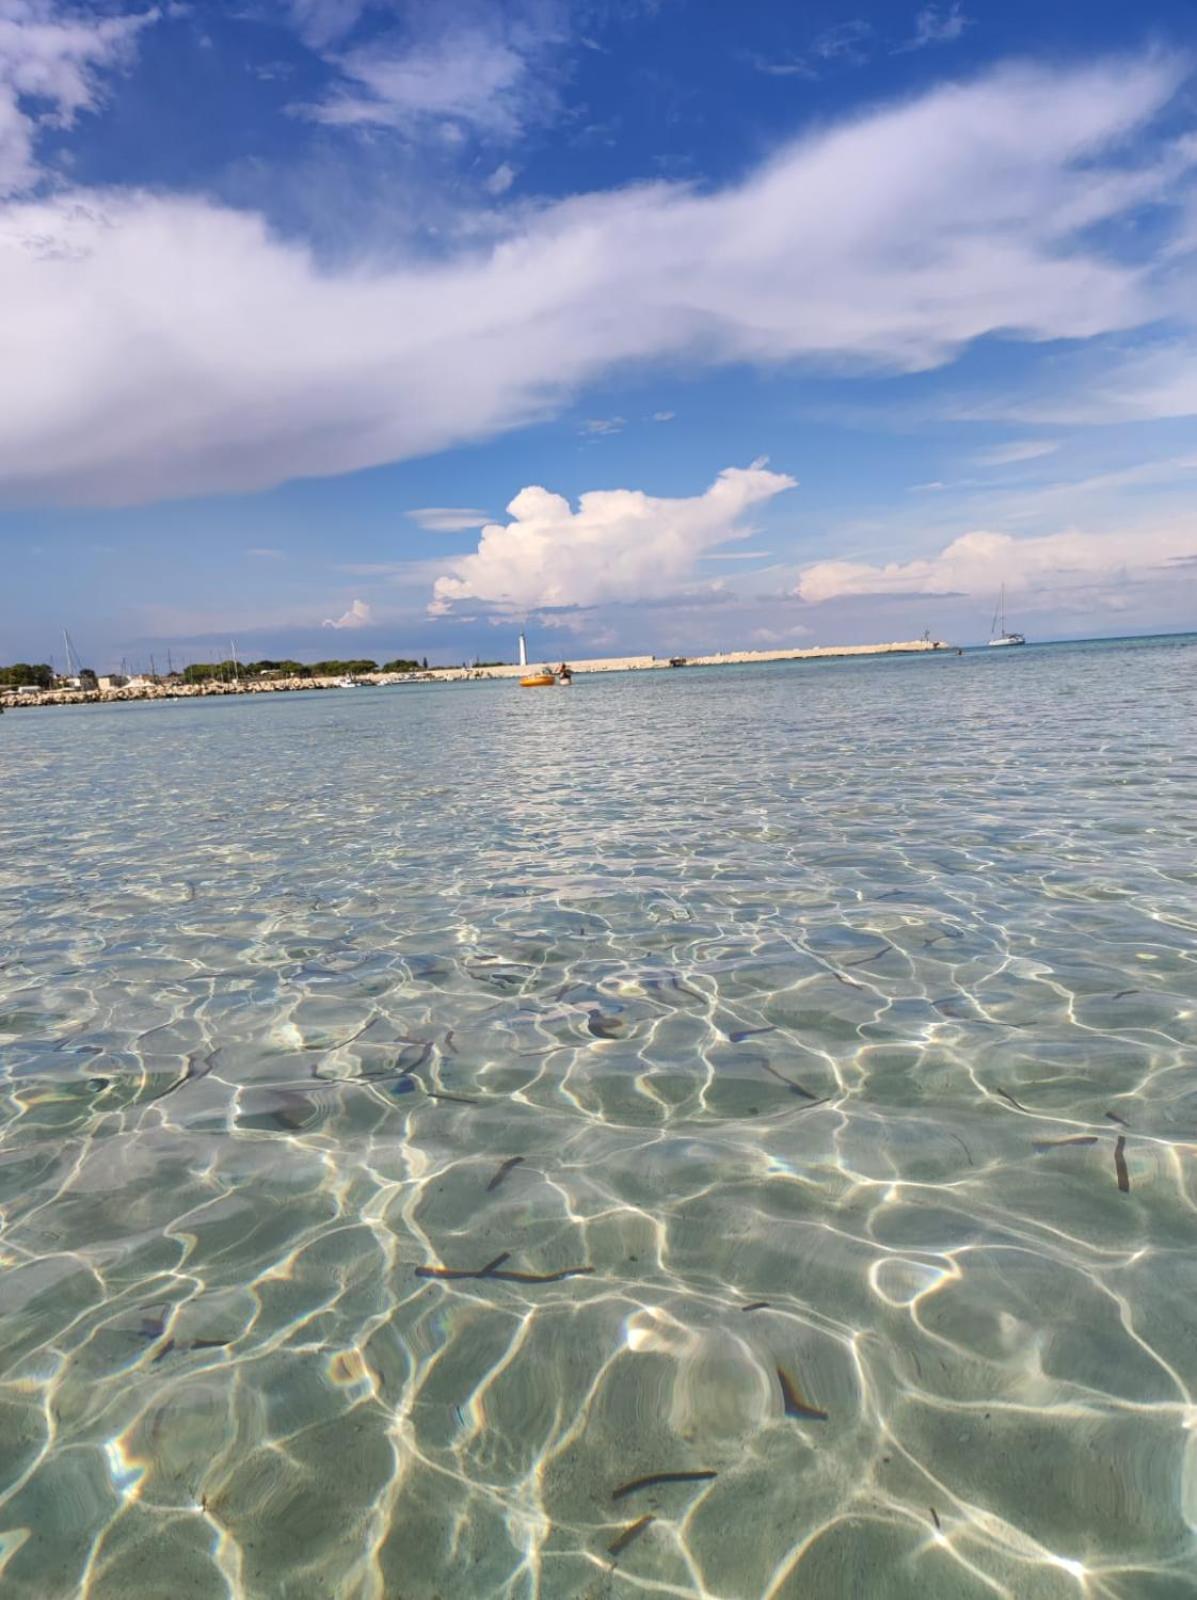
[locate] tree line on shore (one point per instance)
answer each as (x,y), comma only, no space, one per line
(25,674)
(227,671)
(40,675)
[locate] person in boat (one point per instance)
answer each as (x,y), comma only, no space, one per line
(564,673)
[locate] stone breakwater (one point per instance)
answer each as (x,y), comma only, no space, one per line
(10,699)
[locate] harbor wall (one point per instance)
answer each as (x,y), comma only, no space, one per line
(192,691)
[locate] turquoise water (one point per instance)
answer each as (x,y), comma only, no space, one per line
(862,993)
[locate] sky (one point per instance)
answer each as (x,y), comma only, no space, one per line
(344,329)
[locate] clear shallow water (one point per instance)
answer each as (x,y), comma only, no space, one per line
(785,984)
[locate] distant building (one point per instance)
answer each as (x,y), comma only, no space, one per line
(112,680)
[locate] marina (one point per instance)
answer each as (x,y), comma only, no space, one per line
(178,690)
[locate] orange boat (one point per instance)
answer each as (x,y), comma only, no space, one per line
(538,680)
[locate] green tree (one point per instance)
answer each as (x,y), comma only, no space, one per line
(22,674)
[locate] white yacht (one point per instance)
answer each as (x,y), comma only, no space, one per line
(1000,633)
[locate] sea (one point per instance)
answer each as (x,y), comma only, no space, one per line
(723,1133)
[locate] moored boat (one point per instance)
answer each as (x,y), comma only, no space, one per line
(1000,633)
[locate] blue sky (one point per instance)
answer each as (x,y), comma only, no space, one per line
(349,329)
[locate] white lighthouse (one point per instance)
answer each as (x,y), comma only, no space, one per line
(523,651)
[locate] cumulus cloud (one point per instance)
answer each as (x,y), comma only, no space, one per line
(51,64)
(447,519)
(228,358)
(619,545)
(978,563)
(359,615)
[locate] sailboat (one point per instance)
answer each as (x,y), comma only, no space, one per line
(1000,633)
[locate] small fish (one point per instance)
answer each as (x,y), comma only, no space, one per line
(1006,1095)
(632,1531)
(1121,1121)
(464,1272)
(209,1344)
(604,1027)
(847,982)
(669,984)
(748,1033)
(1123,993)
(291,1118)
(654,1478)
(796,1404)
(542,1277)
(1061,1144)
(968,1153)
(935,1519)
(876,956)
(794,1088)
(402,1086)
(756,1305)
(449,1047)
(162,1352)
(507,1166)
(458,1099)
(1120,1165)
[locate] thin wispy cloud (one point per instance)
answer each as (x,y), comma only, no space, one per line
(849,43)
(780,66)
(447,519)
(1005,455)
(936,24)
(476,69)
(970,210)
(601,427)
(52,69)
(500,179)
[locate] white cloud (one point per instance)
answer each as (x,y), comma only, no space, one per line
(500,179)
(476,67)
(160,345)
(845,41)
(782,66)
(359,615)
(779,636)
(1143,387)
(320,22)
(264,552)
(935,25)
(598,427)
(447,519)
(620,545)
(978,563)
(51,59)
(664,416)
(1005,455)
